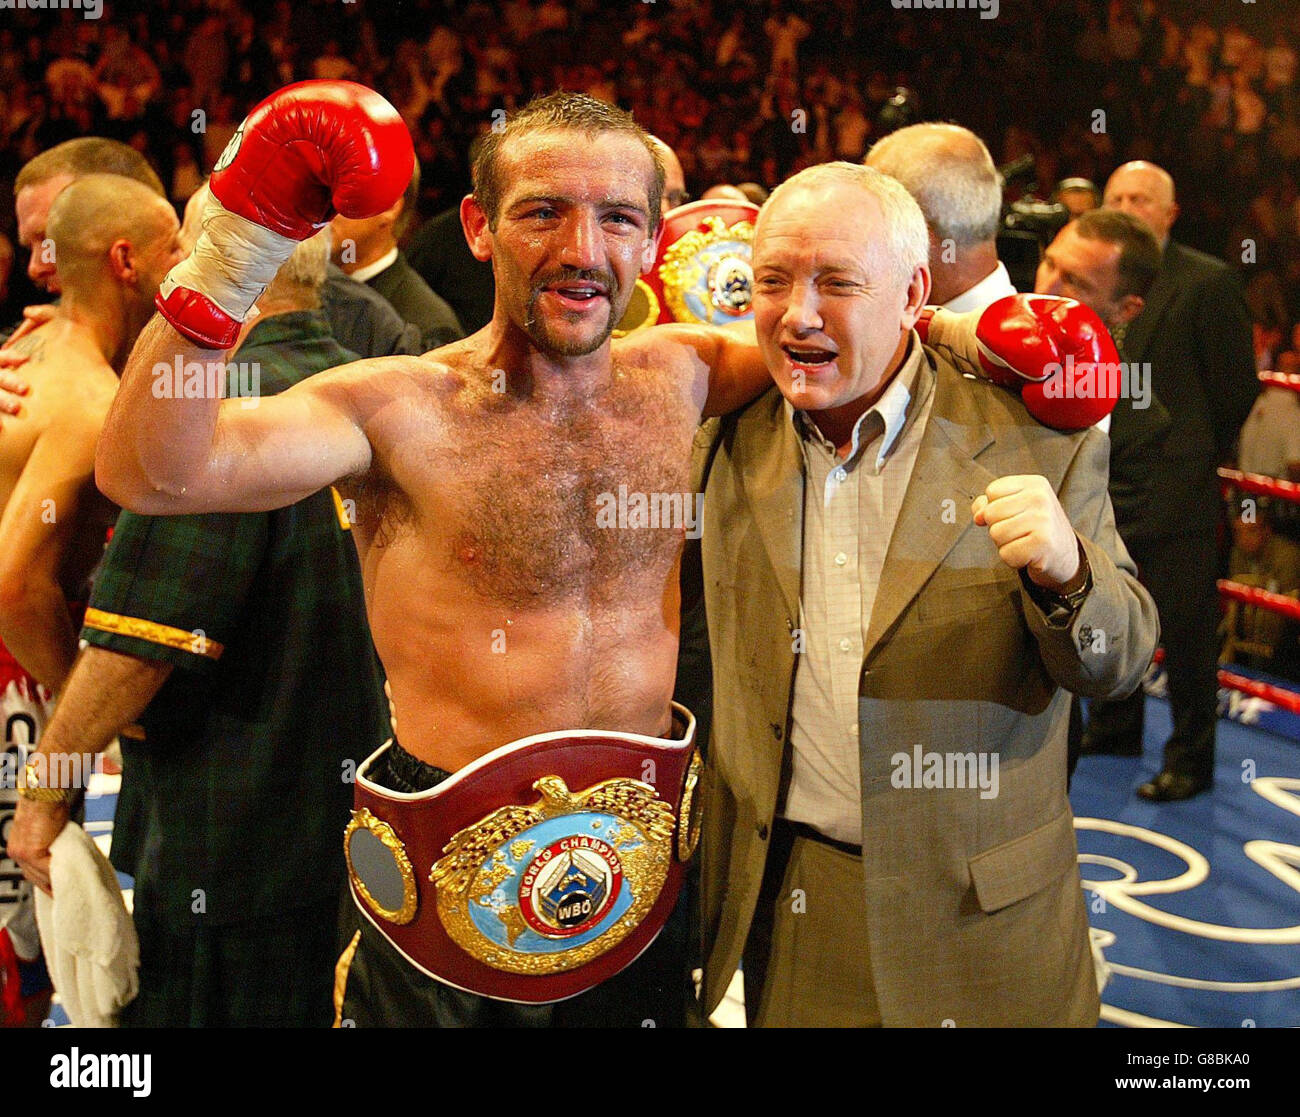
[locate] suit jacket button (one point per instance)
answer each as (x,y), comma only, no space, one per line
(762,831)
(776,731)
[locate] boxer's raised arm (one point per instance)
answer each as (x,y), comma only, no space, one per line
(731,372)
(166,456)
(307,152)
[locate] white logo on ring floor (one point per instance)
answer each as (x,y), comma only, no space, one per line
(1127,893)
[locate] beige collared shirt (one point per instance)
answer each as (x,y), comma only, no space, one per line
(850,509)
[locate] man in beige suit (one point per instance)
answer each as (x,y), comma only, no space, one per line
(902,570)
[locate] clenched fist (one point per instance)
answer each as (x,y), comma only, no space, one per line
(1030,529)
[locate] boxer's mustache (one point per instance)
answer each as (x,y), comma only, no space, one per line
(604,279)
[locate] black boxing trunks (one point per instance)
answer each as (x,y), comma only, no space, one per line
(533,874)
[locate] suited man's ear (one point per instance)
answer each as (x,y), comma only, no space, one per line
(918,294)
(1130,306)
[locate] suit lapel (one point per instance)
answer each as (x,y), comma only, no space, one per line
(945,470)
(770,469)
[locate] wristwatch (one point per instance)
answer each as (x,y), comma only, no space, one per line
(1056,604)
(31,788)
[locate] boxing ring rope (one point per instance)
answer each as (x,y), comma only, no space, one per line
(1289,380)
(1280,603)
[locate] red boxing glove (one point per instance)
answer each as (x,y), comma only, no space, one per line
(1061,351)
(308,151)
(1055,352)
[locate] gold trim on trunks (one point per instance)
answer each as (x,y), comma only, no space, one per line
(342,968)
(364,820)
(480,859)
(194,642)
(689,814)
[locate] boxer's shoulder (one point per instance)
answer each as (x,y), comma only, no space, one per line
(68,374)
(663,346)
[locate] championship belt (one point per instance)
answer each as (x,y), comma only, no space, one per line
(538,871)
(702,271)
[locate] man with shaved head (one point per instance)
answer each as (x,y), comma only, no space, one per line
(950,173)
(114,239)
(42,179)
(225,638)
(674,194)
(1194,332)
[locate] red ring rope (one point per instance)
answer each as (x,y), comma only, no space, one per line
(1258,483)
(1281,380)
(1263,599)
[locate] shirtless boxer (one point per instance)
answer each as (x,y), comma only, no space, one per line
(43,178)
(499,605)
(115,241)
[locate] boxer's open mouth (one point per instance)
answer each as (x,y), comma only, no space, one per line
(808,357)
(577,295)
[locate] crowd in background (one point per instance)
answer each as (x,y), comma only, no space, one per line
(748,90)
(743,90)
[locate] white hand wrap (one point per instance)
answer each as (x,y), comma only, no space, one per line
(232,263)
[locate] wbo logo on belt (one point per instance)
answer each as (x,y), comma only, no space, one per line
(539,900)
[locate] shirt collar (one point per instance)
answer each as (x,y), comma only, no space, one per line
(892,410)
(997,284)
(386,261)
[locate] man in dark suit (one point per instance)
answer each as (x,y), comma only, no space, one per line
(440,254)
(1194,332)
(1108,261)
(366,250)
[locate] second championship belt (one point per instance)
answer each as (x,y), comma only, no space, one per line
(702,271)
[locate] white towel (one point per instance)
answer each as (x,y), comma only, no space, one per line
(87,934)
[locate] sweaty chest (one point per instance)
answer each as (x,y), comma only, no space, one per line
(540,507)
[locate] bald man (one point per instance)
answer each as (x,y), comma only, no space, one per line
(1194,332)
(114,239)
(43,178)
(674,194)
(951,174)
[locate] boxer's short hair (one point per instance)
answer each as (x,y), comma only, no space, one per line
(951,174)
(1139,251)
(89,155)
(907,244)
(94,212)
(558,112)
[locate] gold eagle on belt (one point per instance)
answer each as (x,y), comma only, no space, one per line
(631,800)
